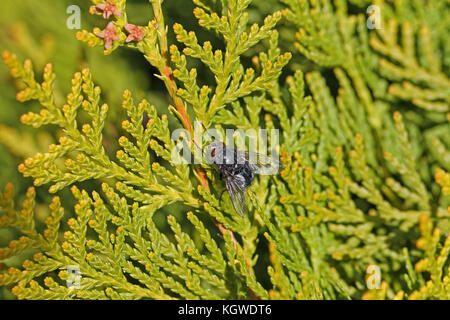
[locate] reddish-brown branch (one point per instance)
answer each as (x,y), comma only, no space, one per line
(179,105)
(181,109)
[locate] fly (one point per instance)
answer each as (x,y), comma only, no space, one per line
(238,169)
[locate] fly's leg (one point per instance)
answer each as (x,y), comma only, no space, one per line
(220,198)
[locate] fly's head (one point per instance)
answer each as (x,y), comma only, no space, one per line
(215,153)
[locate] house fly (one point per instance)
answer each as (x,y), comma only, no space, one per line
(237,169)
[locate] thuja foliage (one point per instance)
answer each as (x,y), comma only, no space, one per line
(365,184)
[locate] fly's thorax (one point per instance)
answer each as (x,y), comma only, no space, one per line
(241,174)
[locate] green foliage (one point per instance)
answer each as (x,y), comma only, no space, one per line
(364,146)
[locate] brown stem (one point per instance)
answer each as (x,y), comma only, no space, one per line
(171,86)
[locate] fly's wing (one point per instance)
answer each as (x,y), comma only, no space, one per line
(260,164)
(237,195)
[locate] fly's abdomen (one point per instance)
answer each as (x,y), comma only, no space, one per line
(248,175)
